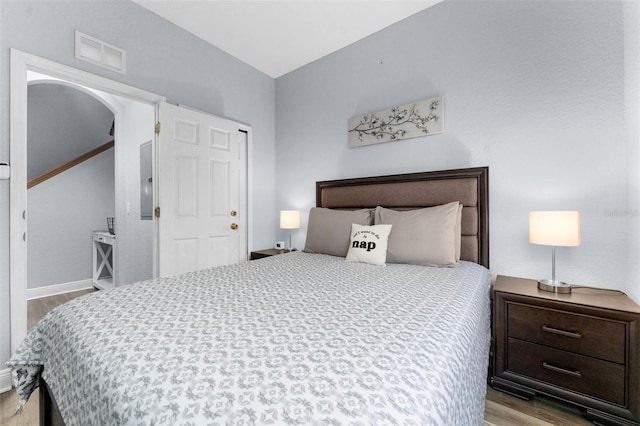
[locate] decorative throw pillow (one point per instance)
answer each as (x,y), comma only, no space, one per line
(328,230)
(458,232)
(369,244)
(423,237)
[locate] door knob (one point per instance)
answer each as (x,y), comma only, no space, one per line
(234,213)
(234,226)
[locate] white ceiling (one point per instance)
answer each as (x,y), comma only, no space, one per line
(279,36)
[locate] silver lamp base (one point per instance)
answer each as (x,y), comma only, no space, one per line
(554,286)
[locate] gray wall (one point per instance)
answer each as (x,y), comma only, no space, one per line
(89,196)
(534,90)
(161,58)
(63,123)
(632,127)
(63,211)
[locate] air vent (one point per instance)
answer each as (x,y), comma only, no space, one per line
(97,52)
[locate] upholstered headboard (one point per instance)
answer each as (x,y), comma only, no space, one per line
(418,190)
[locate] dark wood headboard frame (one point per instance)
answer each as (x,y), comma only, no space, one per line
(477,178)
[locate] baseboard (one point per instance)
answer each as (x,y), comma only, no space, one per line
(5,380)
(52,290)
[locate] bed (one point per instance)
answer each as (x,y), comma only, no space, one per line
(298,338)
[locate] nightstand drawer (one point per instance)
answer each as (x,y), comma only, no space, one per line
(590,376)
(587,335)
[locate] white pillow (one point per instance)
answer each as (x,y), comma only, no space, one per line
(369,244)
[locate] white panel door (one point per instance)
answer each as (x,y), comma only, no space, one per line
(202,191)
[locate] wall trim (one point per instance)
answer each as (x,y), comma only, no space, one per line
(55,289)
(5,380)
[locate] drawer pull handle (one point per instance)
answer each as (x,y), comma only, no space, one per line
(561,332)
(574,373)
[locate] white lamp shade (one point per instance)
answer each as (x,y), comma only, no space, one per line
(555,228)
(289,219)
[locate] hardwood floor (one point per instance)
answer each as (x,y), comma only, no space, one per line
(503,409)
(500,409)
(29,416)
(38,308)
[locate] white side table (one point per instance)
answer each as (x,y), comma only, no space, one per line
(103,247)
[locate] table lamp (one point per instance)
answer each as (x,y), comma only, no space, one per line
(555,229)
(289,219)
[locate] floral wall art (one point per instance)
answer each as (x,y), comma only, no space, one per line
(413,120)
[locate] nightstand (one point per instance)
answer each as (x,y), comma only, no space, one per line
(259,254)
(581,347)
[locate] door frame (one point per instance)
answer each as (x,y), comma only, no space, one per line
(21,62)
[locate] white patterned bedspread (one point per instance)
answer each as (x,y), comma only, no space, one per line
(297,338)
